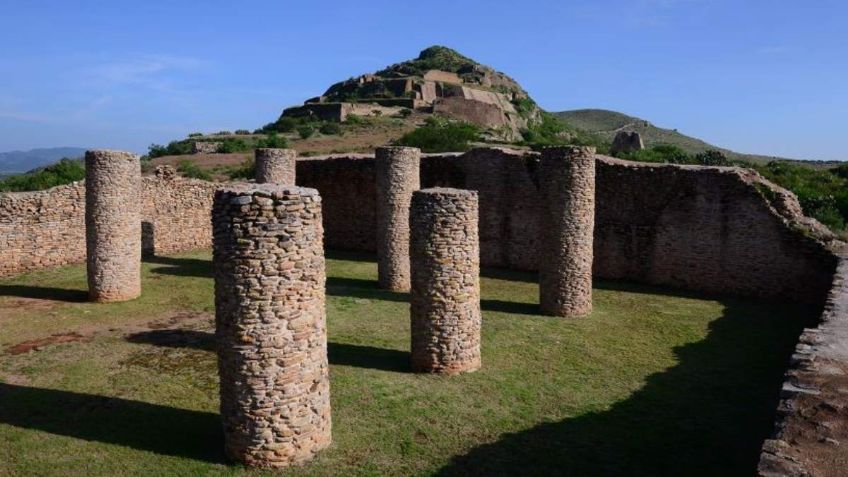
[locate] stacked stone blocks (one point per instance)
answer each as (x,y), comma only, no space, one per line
(113,225)
(397,171)
(276,166)
(271,324)
(567,186)
(445,295)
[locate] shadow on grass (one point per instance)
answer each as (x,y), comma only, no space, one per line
(343,354)
(44,293)
(707,415)
(138,425)
(181,267)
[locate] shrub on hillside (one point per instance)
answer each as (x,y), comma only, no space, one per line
(330,128)
(662,153)
(63,172)
(441,135)
(174,148)
(223,133)
(273,140)
(711,157)
(245,171)
(242,132)
(305,131)
(552,131)
(192,170)
(195,134)
(231,145)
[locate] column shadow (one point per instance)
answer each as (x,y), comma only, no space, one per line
(138,425)
(44,293)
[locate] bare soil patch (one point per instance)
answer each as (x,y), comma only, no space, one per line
(35,345)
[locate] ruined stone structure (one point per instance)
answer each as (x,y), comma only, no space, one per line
(205,147)
(397,174)
(567,183)
(113,225)
(275,165)
(270,323)
(812,419)
(445,295)
(626,141)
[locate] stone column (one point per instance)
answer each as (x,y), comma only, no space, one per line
(567,183)
(397,170)
(276,165)
(113,225)
(445,294)
(268,262)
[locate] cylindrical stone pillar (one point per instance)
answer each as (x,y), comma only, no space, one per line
(276,166)
(397,170)
(113,225)
(445,294)
(271,333)
(567,183)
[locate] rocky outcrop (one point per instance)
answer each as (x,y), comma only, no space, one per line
(625,142)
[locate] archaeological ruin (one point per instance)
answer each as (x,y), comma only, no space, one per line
(275,165)
(268,259)
(397,177)
(444,301)
(569,214)
(113,225)
(567,191)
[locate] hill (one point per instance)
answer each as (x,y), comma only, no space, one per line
(23,161)
(606,124)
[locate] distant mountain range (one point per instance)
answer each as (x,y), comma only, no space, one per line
(23,161)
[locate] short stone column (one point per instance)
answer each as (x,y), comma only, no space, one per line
(271,334)
(567,183)
(276,166)
(113,225)
(445,294)
(397,171)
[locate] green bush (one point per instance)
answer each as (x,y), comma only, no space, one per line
(223,133)
(330,128)
(273,140)
(63,172)
(552,131)
(285,125)
(190,169)
(174,148)
(354,119)
(231,145)
(305,131)
(195,134)
(711,157)
(441,135)
(662,153)
(242,132)
(245,171)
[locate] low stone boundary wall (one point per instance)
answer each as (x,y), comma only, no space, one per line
(811,433)
(711,229)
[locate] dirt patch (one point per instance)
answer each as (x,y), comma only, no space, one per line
(35,345)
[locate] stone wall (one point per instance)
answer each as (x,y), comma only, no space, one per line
(205,147)
(701,228)
(812,418)
(46,229)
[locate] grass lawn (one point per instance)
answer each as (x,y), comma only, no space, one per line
(654,382)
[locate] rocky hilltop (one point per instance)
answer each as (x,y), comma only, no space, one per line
(439,81)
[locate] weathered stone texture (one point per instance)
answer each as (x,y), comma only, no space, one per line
(113,225)
(567,182)
(811,431)
(205,147)
(445,295)
(176,213)
(626,141)
(397,171)
(271,333)
(275,165)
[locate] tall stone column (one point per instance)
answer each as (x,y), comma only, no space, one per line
(567,183)
(445,294)
(113,225)
(276,165)
(271,333)
(397,171)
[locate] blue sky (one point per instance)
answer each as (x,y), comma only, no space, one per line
(766,77)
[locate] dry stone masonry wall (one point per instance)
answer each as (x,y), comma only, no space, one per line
(275,165)
(271,330)
(397,174)
(113,225)
(445,294)
(567,177)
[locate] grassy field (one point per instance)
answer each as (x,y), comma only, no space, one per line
(652,383)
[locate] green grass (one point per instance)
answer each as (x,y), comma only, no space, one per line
(652,383)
